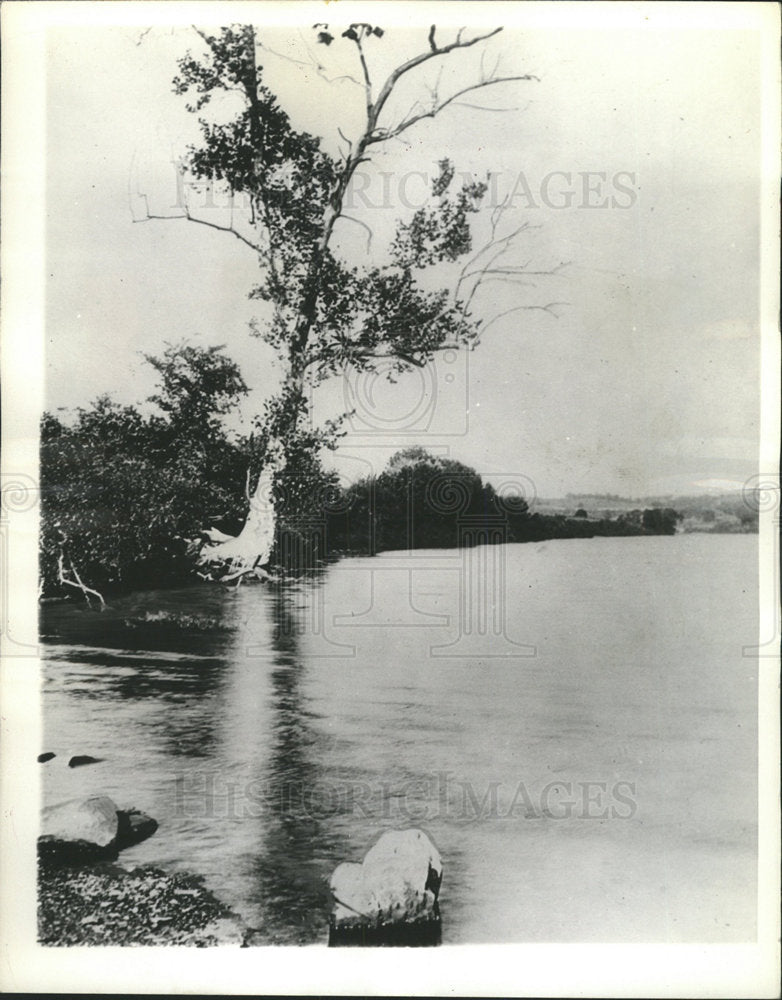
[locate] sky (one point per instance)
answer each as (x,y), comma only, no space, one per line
(633,157)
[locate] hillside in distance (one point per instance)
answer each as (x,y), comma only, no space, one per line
(729,512)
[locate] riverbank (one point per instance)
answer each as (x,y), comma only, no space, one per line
(537,528)
(109,905)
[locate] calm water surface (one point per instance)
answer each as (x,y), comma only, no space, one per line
(582,751)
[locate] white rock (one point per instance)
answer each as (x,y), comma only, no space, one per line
(398,881)
(351,895)
(93,820)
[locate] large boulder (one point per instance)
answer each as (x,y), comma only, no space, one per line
(80,830)
(391,898)
(92,829)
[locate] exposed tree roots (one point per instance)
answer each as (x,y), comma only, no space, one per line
(226,558)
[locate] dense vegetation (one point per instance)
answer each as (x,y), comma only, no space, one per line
(127,494)
(123,492)
(422,501)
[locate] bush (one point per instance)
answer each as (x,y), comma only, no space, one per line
(420,501)
(122,493)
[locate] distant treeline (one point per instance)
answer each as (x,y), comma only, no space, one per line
(731,512)
(423,501)
(728,513)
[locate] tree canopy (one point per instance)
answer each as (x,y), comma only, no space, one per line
(328,314)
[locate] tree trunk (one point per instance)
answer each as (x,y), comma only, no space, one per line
(247,552)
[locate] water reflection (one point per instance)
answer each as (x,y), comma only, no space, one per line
(147,648)
(289,870)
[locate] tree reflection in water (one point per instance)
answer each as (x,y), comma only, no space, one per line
(289,867)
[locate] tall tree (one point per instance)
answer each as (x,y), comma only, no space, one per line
(328,315)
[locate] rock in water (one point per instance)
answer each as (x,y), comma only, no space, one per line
(133,827)
(83,758)
(90,830)
(93,820)
(83,830)
(391,897)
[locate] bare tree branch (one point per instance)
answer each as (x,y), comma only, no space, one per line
(481,107)
(405,68)
(500,246)
(79,584)
(348,141)
(519,271)
(367,80)
(311,63)
(549,308)
(358,222)
(491,269)
(151,217)
(437,108)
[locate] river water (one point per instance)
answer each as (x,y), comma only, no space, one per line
(573,723)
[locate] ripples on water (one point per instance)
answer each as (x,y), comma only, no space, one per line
(602,789)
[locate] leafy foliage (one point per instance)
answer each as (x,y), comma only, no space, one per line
(440,232)
(327,314)
(123,492)
(197,385)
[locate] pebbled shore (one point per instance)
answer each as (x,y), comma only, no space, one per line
(108,905)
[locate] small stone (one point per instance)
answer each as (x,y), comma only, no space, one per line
(81,759)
